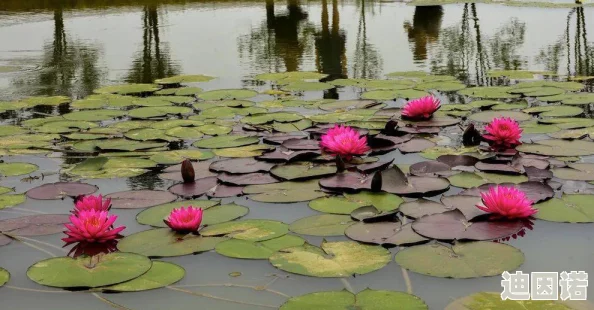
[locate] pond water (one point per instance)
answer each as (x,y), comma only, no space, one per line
(70,48)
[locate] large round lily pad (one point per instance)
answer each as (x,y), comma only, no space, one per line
(469,179)
(226,141)
(14,169)
(250,230)
(241,165)
(367,299)
(285,192)
(334,205)
(384,233)
(177,156)
(307,86)
(160,275)
(569,208)
(302,170)
(493,301)
(247,178)
(452,225)
(127,89)
(180,79)
(81,272)
(34,225)
(322,225)
(213,213)
(257,249)
(333,259)
(553,147)
(197,188)
(227,94)
(11,200)
(421,207)
(243,151)
(488,116)
(164,242)
(461,260)
(151,112)
(139,199)
(60,190)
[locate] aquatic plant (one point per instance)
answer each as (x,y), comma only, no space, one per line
(506,202)
(344,141)
(92,226)
(420,109)
(503,133)
(185,220)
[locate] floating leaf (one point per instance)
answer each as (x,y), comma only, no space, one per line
(72,273)
(322,225)
(250,230)
(226,141)
(257,250)
(14,168)
(241,165)
(488,116)
(461,260)
(60,190)
(333,259)
(488,92)
(301,170)
(292,75)
(263,118)
(384,233)
(213,213)
(160,275)
(493,301)
(555,111)
(139,199)
(570,208)
(469,179)
(43,100)
(180,79)
(366,299)
(558,148)
(164,242)
(452,225)
(151,112)
(422,207)
(443,86)
(214,130)
(307,86)
(7,200)
(4,276)
(577,171)
(385,95)
(243,151)
(248,178)
(227,94)
(34,225)
(197,188)
(94,116)
(334,205)
(176,157)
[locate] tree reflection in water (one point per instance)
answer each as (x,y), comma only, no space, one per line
(367,61)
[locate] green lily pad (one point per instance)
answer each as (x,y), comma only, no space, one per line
(11,200)
(148,134)
(180,91)
(469,179)
(226,141)
(553,147)
(176,157)
(124,162)
(128,89)
(510,106)
(213,213)
(285,192)
(160,275)
(567,86)
(444,86)
(4,276)
(307,86)
(150,112)
(517,74)
(64,126)
(293,75)
(8,130)
(334,205)
(263,118)
(154,102)
(257,250)
(461,260)
(115,145)
(493,301)
(569,209)
(488,116)
(322,225)
(4,190)
(384,95)
(180,79)
(109,173)
(381,201)
(227,94)
(214,130)
(173,123)
(534,127)
(367,299)
(163,242)
(185,133)
(537,91)
(51,101)
(94,116)
(555,111)
(408,74)
(333,259)
(344,105)
(243,151)
(302,170)
(292,127)
(571,98)
(488,92)
(68,272)
(250,230)
(15,168)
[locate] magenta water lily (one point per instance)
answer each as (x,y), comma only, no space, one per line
(345,142)
(185,220)
(506,202)
(421,109)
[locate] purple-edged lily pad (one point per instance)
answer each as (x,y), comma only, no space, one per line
(458,160)
(241,165)
(415,145)
(371,167)
(193,190)
(224,191)
(464,203)
(452,225)
(248,178)
(285,155)
(499,168)
(422,207)
(4,240)
(60,190)
(34,225)
(538,175)
(301,145)
(384,233)
(280,138)
(429,168)
(139,199)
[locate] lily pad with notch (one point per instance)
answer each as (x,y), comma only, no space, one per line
(245,249)
(250,230)
(163,242)
(301,171)
(366,299)
(34,225)
(322,225)
(160,275)
(384,234)
(138,199)
(241,165)
(247,178)
(574,208)
(422,207)
(60,190)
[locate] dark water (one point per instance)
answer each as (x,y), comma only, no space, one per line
(72,47)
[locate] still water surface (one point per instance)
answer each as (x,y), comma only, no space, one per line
(73,48)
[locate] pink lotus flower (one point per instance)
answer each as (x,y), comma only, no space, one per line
(185,220)
(503,133)
(344,141)
(92,226)
(507,202)
(86,203)
(420,109)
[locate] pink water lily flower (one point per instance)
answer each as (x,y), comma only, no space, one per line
(503,133)
(506,202)
(185,220)
(420,109)
(91,202)
(92,226)
(344,141)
